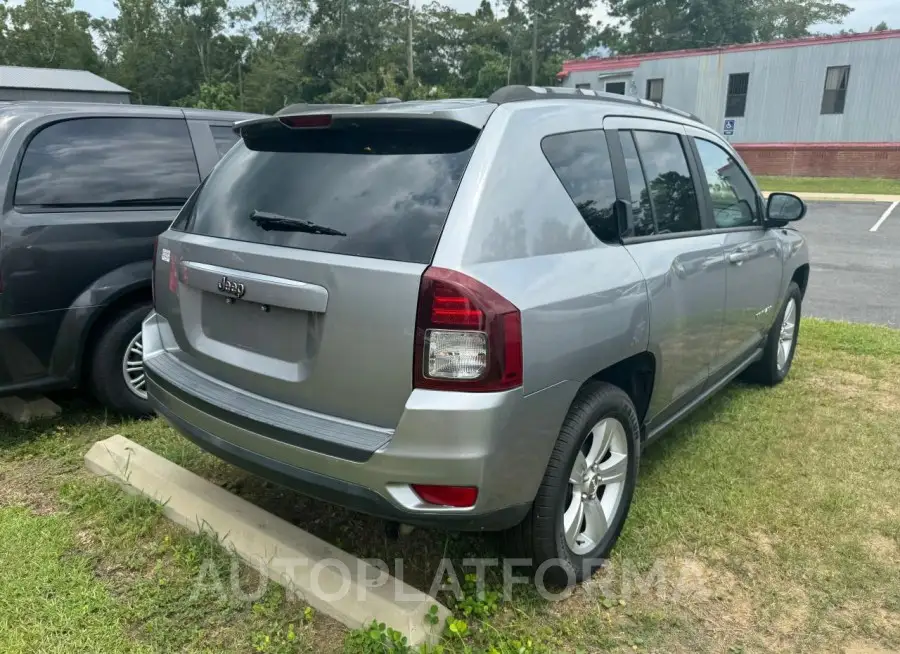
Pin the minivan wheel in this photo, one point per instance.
(781, 343)
(116, 368)
(586, 492)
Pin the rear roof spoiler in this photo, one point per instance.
(473, 113)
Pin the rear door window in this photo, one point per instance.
(373, 190)
(91, 162)
(672, 193)
(581, 161)
(641, 210)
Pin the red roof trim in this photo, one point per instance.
(630, 62)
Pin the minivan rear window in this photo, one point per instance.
(381, 191)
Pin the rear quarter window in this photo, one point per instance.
(387, 193)
(581, 161)
(224, 137)
(108, 162)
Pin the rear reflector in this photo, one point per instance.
(468, 337)
(456, 496)
(298, 122)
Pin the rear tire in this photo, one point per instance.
(777, 357)
(562, 558)
(107, 367)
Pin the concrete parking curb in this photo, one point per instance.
(839, 197)
(330, 580)
(24, 410)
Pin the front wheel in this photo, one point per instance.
(117, 368)
(781, 343)
(587, 488)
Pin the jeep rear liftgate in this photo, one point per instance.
(295, 270)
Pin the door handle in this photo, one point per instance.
(737, 258)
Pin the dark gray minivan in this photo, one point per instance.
(86, 189)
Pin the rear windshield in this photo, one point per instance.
(387, 190)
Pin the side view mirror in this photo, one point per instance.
(784, 208)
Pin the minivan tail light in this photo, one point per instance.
(173, 273)
(153, 271)
(468, 337)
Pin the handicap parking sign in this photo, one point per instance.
(729, 127)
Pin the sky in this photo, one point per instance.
(866, 14)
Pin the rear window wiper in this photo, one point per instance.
(278, 223)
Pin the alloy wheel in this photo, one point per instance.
(786, 337)
(596, 486)
(133, 367)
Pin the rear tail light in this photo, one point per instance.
(468, 337)
(456, 496)
(173, 273)
(153, 271)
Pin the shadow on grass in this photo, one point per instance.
(415, 557)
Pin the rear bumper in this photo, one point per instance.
(337, 491)
(499, 442)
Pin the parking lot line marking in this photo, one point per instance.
(887, 212)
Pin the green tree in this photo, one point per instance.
(264, 54)
(47, 34)
(222, 95)
(135, 51)
(658, 25)
(787, 19)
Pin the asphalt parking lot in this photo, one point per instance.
(855, 272)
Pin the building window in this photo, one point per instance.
(736, 100)
(582, 86)
(836, 80)
(655, 90)
(615, 87)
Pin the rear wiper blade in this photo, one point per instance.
(277, 222)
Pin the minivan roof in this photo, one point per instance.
(43, 107)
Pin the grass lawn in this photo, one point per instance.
(769, 521)
(830, 185)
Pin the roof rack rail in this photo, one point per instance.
(519, 93)
(388, 100)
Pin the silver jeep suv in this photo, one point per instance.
(470, 314)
